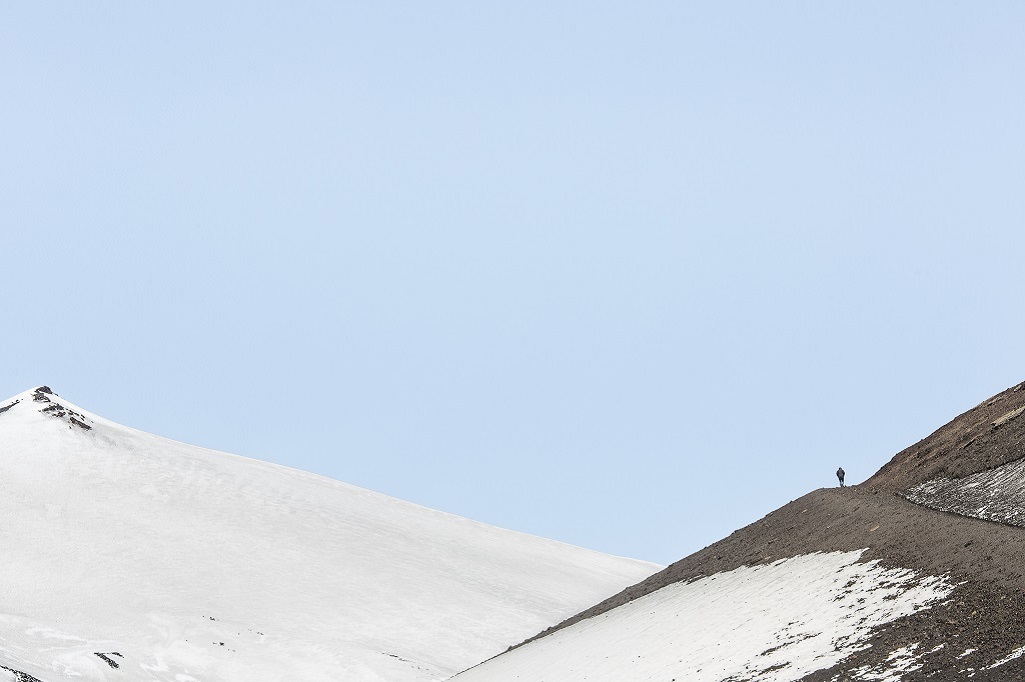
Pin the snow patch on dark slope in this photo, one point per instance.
(985, 437)
(127, 556)
(975, 631)
(994, 495)
(772, 622)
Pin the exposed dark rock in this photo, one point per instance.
(59, 411)
(80, 424)
(7, 407)
(45, 389)
(20, 676)
(107, 658)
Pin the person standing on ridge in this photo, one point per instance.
(840, 474)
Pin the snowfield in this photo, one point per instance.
(770, 623)
(127, 556)
(994, 495)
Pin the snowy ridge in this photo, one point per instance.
(52, 408)
(771, 623)
(127, 556)
(994, 495)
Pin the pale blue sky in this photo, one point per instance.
(627, 275)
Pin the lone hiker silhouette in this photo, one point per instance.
(840, 474)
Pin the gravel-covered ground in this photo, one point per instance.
(984, 616)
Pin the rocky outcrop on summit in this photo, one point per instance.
(57, 410)
(51, 408)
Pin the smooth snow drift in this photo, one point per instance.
(127, 556)
(771, 623)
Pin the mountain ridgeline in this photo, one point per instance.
(928, 514)
(127, 556)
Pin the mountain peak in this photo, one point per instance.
(196, 564)
(45, 401)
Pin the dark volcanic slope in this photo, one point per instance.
(986, 560)
(982, 438)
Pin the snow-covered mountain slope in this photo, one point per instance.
(127, 556)
(773, 623)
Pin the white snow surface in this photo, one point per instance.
(772, 623)
(192, 564)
